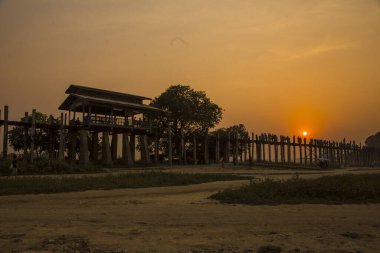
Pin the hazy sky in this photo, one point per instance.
(277, 66)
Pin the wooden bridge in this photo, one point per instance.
(90, 112)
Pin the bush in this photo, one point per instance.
(54, 184)
(363, 188)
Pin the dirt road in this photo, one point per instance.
(180, 219)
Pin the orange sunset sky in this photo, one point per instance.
(283, 66)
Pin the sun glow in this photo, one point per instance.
(304, 133)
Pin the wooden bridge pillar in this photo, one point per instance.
(294, 149)
(182, 148)
(253, 146)
(61, 150)
(206, 157)
(127, 155)
(51, 139)
(73, 146)
(305, 149)
(156, 148)
(288, 149)
(26, 135)
(194, 149)
(83, 147)
(217, 147)
(5, 136)
(258, 149)
(114, 145)
(133, 147)
(311, 151)
(263, 147)
(338, 155)
(249, 150)
(236, 148)
(300, 148)
(170, 150)
(106, 149)
(282, 149)
(94, 148)
(227, 148)
(32, 135)
(315, 152)
(145, 150)
(275, 150)
(245, 148)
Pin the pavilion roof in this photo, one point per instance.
(100, 99)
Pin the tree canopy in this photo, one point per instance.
(373, 142)
(188, 109)
(16, 135)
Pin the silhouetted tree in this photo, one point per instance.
(188, 110)
(373, 142)
(41, 137)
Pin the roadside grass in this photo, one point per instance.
(340, 189)
(56, 184)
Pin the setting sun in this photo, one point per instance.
(304, 133)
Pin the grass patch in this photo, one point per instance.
(339, 189)
(56, 184)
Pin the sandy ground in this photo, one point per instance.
(183, 219)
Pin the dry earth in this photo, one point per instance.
(183, 219)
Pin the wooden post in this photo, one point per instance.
(206, 148)
(337, 148)
(170, 161)
(315, 152)
(289, 149)
(282, 149)
(61, 151)
(133, 147)
(275, 149)
(269, 148)
(5, 136)
(305, 150)
(245, 148)
(253, 146)
(106, 149)
(156, 148)
(258, 149)
(51, 139)
(183, 151)
(227, 148)
(26, 135)
(145, 150)
(236, 148)
(294, 149)
(217, 145)
(311, 151)
(300, 148)
(114, 145)
(94, 148)
(249, 150)
(263, 147)
(73, 146)
(127, 156)
(194, 149)
(32, 135)
(83, 154)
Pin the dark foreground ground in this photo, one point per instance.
(183, 219)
